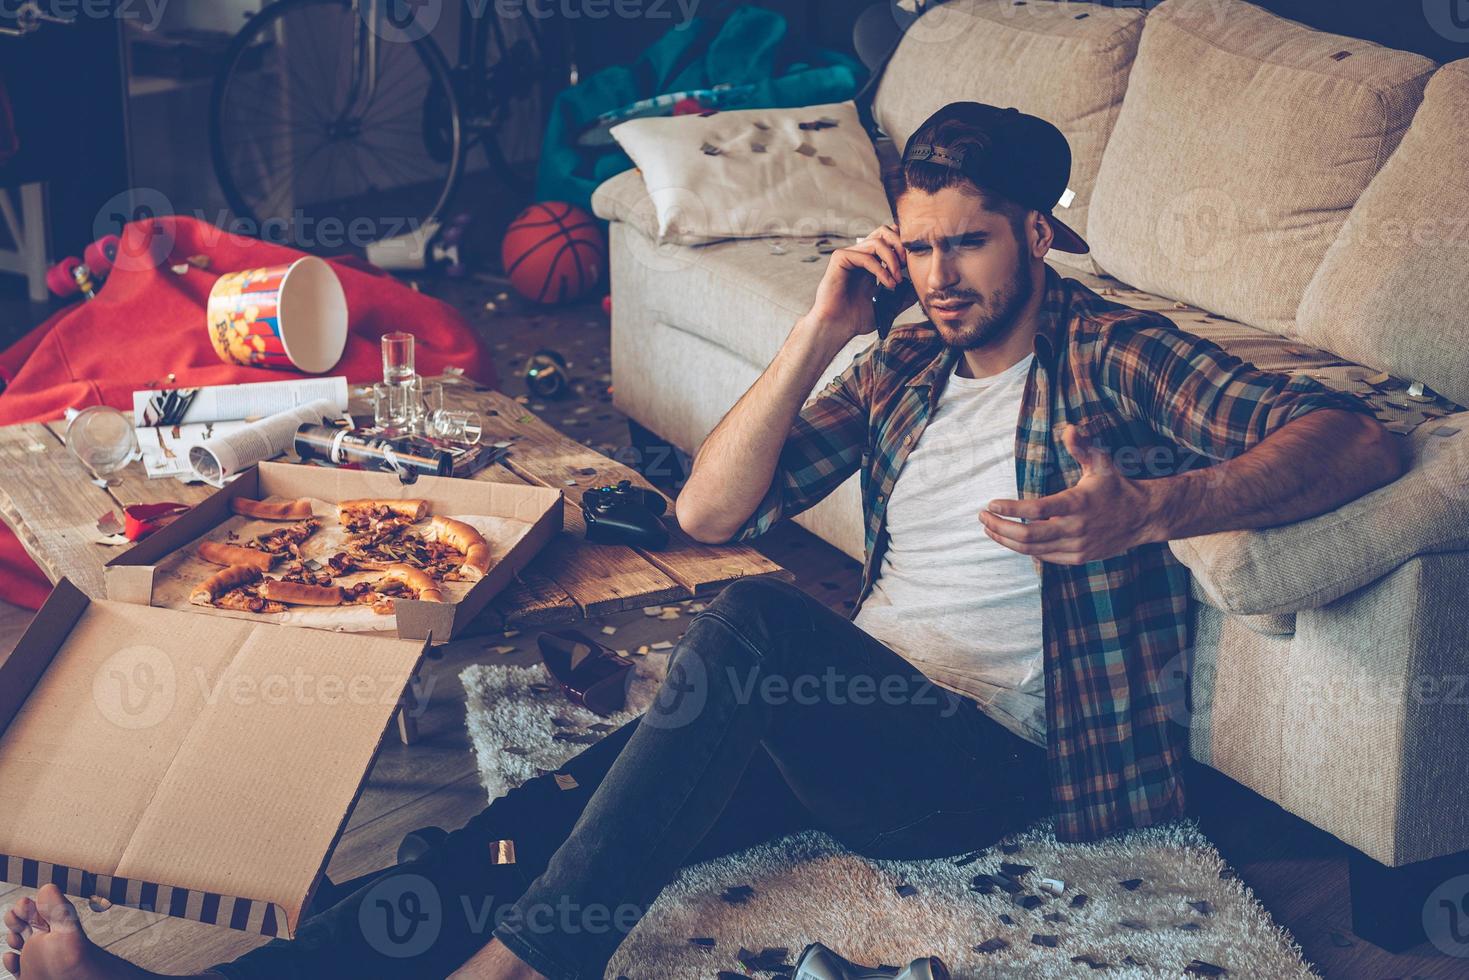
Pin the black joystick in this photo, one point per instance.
(625, 514)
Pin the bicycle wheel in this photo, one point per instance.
(314, 154)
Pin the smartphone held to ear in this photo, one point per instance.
(888, 303)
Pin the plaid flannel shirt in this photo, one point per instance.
(1161, 401)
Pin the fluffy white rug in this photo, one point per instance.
(1179, 912)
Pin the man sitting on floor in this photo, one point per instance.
(1014, 556)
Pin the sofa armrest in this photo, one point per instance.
(624, 197)
(1310, 563)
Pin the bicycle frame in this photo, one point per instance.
(473, 64)
(474, 49)
(364, 54)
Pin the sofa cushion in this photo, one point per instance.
(768, 273)
(1267, 351)
(1393, 291)
(680, 383)
(1042, 58)
(1391, 397)
(1243, 142)
(753, 173)
(1310, 563)
(742, 294)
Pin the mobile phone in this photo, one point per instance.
(888, 303)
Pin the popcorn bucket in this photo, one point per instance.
(283, 316)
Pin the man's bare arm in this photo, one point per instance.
(1310, 465)
(734, 467)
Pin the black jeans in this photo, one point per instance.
(777, 715)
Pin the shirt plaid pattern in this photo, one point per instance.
(1116, 632)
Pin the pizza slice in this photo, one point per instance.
(400, 581)
(423, 586)
(466, 540)
(359, 515)
(390, 543)
(272, 510)
(287, 540)
(232, 554)
(235, 587)
(300, 593)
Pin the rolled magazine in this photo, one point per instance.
(218, 459)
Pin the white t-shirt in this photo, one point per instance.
(963, 608)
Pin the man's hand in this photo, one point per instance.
(843, 303)
(1103, 515)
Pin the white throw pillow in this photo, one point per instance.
(756, 173)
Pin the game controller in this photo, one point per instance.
(625, 514)
(819, 963)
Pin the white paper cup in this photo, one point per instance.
(282, 316)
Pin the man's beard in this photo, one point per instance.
(997, 315)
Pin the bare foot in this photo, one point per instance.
(493, 962)
(49, 943)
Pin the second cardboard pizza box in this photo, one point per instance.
(130, 576)
(195, 766)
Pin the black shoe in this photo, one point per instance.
(819, 963)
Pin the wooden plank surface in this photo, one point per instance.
(542, 454)
(603, 579)
(534, 599)
(131, 484)
(47, 497)
(598, 578)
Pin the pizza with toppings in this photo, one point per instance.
(382, 534)
(235, 587)
(287, 540)
(388, 550)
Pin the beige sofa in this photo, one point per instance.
(1296, 197)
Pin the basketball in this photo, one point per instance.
(553, 252)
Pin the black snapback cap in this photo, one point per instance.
(1020, 156)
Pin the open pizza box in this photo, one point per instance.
(197, 766)
(518, 520)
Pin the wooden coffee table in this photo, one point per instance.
(49, 501)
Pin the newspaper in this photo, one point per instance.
(227, 403)
(216, 460)
(166, 447)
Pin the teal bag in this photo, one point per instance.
(731, 63)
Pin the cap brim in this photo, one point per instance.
(1066, 240)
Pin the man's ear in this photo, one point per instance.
(1041, 234)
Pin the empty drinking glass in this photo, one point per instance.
(103, 439)
(398, 358)
(396, 406)
(450, 424)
